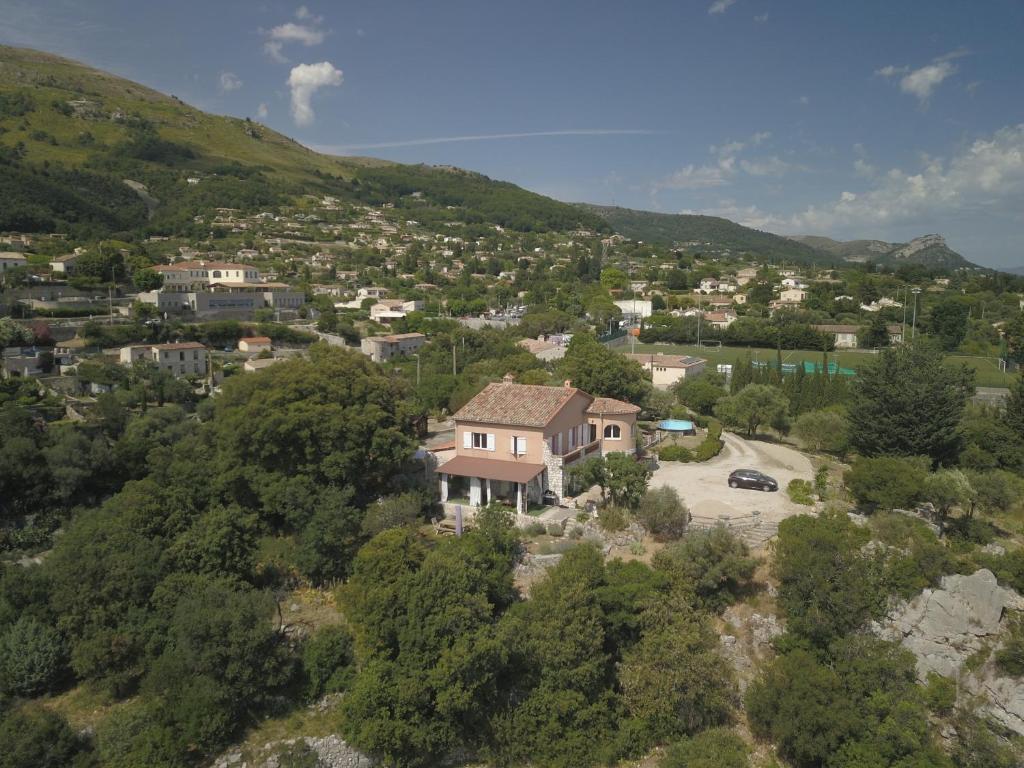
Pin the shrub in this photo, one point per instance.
(800, 492)
(612, 518)
(34, 737)
(821, 482)
(554, 530)
(327, 662)
(1010, 658)
(32, 658)
(393, 512)
(939, 693)
(888, 482)
(714, 564)
(675, 453)
(826, 430)
(663, 514)
(713, 748)
(535, 529)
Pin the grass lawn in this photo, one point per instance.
(988, 373)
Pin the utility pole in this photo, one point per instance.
(416, 355)
(913, 327)
(110, 298)
(453, 361)
(699, 315)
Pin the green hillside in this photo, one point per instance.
(671, 229)
(70, 135)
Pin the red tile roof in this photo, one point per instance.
(609, 405)
(517, 405)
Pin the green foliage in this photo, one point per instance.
(714, 565)
(909, 403)
(327, 662)
(612, 518)
(34, 737)
(914, 558)
(13, 333)
(799, 492)
(939, 693)
(700, 393)
(675, 453)
(626, 479)
(752, 406)
(393, 512)
(602, 372)
(949, 322)
(713, 748)
(32, 658)
(827, 586)
(824, 430)
(1010, 658)
(949, 488)
(887, 482)
(980, 744)
(663, 513)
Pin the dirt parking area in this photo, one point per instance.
(705, 490)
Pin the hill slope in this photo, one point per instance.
(70, 135)
(928, 250)
(670, 229)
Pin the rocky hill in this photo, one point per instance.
(928, 250)
(71, 135)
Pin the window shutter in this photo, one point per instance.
(490, 441)
(513, 448)
(467, 439)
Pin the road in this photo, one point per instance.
(704, 486)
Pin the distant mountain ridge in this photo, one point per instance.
(718, 233)
(928, 250)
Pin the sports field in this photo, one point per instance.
(988, 373)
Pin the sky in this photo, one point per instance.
(852, 120)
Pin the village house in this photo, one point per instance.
(666, 370)
(380, 349)
(186, 358)
(745, 275)
(794, 295)
(253, 345)
(11, 260)
(214, 287)
(720, 320)
(65, 265)
(844, 336)
(387, 310)
(257, 364)
(515, 442)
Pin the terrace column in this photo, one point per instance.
(444, 488)
(474, 491)
(520, 502)
(490, 496)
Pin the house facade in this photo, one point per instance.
(214, 287)
(180, 359)
(844, 336)
(380, 349)
(515, 441)
(666, 370)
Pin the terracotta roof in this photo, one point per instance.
(199, 265)
(256, 340)
(518, 405)
(180, 345)
(837, 328)
(491, 469)
(607, 405)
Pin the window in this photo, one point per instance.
(519, 446)
(612, 432)
(481, 440)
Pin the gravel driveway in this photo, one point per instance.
(705, 490)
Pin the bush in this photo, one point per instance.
(663, 514)
(714, 564)
(393, 512)
(554, 530)
(612, 518)
(826, 430)
(535, 529)
(939, 693)
(327, 662)
(713, 748)
(33, 737)
(887, 482)
(675, 453)
(1010, 658)
(800, 492)
(32, 658)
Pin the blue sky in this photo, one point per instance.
(849, 119)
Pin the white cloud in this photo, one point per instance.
(229, 81)
(720, 6)
(863, 168)
(726, 166)
(273, 49)
(765, 166)
(304, 80)
(923, 81)
(695, 177)
(761, 18)
(298, 33)
(262, 111)
(804, 100)
(985, 177)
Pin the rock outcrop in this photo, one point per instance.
(945, 627)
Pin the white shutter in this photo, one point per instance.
(513, 445)
(490, 441)
(467, 439)
(521, 446)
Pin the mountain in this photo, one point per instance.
(708, 232)
(71, 137)
(927, 250)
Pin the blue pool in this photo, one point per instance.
(677, 425)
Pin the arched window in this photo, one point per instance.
(216, 273)
(612, 432)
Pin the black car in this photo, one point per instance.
(751, 478)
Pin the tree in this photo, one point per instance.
(824, 430)
(601, 372)
(752, 406)
(876, 335)
(713, 748)
(590, 473)
(663, 514)
(393, 512)
(1014, 407)
(887, 482)
(713, 565)
(949, 322)
(626, 479)
(909, 403)
(35, 737)
(147, 279)
(13, 333)
(949, 488)
(700, 393)
(328, 662)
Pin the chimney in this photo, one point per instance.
(568, 383)
(509, 377)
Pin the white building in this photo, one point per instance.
(380, 349)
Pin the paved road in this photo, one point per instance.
(704, 486)
(990, 395)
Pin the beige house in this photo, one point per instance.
(845, 336)
(65, 265)
(515, 441)
(11, 260)
(181, 359)
(666, 370)
(380, 349)
(253, 345)
(795, 295)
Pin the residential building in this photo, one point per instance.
(387, 310)
(380, 349)
(11, 260)
(720, 320)
(179, 359)
(740, 298)
(666, 370)
(253, 345)
(634, 309)
(794, 295)
(844, 336)
(543, 349)
(213, 287)
(65, 265)
(515, 441)
(745, 275)
(258, 364)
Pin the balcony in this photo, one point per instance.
(580, 453)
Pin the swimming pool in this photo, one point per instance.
(676, 425)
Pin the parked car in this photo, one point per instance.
(751, 478)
